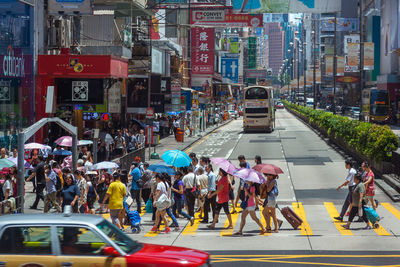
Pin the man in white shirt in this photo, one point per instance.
(189, 181)
(141, 139)
(350, 183)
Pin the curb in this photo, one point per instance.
(210, 132)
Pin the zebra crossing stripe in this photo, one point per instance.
(229, 232)
(391, 209)
(330, 207)
(305, 228)
(191, 229)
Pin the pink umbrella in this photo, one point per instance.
(250, 175)
(30, 146)
(224, 164)
(64, 141)
(268, 169)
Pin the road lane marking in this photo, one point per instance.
(391, 209)
(305, 228)
(334, 213)
(229, 232)
(191, 229)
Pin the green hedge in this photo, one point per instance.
(371, 140)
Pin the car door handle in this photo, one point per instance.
(2, 263)
(66, 264)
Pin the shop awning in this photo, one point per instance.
(127, 9)
(191, 90)
(88, 66)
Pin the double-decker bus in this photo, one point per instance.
(259, 111)
(376, 105)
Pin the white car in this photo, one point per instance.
(233, 114)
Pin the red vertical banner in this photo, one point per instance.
(202, 43)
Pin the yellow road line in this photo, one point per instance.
(391, 209)
(334, 213)
(191, 229)
(202, 140)
(106, 216)
(229, 232)
(305, 228)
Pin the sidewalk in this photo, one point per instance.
(395, 129)
(169, 143)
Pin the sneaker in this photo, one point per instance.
(154, 229)
(338, 218)
(167, 230)
(191, 221)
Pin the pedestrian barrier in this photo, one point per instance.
(126, 160)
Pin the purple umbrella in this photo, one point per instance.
(15, 160)
(250, 175)
(224, 164)
(64, 141)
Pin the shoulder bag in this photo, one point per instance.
(195, 190)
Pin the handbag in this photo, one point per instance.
(244, 204)
(195, 190)
(162, 202)
(149, 206)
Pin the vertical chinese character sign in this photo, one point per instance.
(202, 50)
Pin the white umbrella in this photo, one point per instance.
(34, 146)
(105, 165)
(85, 142)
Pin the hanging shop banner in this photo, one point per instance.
(350, 39)
(286, 6)
(225, 18)
(368, 56)
(340, 66)
(114, 98)
(230, 70)
(202, 83)
(157, 27)
(202, 50)
(342, 24)
(329, 65)
(230, 44)
(352, 57)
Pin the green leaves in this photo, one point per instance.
(371, 140)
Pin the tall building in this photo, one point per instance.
(276, 38)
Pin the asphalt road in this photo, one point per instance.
(312, 171)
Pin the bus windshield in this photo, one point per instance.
(379, 97)
(256, 93)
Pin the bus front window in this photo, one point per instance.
(256, 93)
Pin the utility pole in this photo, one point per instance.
(314, 59)
(361, 61)
(334, 67)
(304, 60)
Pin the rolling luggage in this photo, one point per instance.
(372, 216)
(291, 217)
(133, 217)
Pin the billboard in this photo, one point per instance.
(286, 6)
(230, 44)
(202, 83)
(342, 24)
(352, 57)
(225, 18)
(230, 70)
(157, 27)
(329, 65)
(339, 66)
(202, 50)
(368, 56)
(137, 93)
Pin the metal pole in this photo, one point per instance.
(361, 61)
(94, 150)
(314, 59)
(21, 172)
(334, 68)
(298, 67)
(304, 60)
(74, 151)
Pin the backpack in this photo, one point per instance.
(59, 183)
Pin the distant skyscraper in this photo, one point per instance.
(276, 38)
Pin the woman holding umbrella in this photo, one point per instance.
(223, 199)
(249, 206)
(270, 202)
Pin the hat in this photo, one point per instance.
(5, 171)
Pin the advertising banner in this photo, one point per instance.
(230, 44)
(202, 50)
(286, 6)
(114, 98)
(329, 65)
(352, 57)
(225, 18)
(256, 73)
(310, 77)
(230, 70)
(368, 56)
(202, 83)
(157, 27)
(340, 66)
(342, 24)
(137, 93)
(350, 39)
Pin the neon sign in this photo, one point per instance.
(13, 66)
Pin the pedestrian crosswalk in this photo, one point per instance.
(317, 220)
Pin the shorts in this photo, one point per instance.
(90, 202)
(220, 206)
(114, 215)
(252, 208)
(269, 203)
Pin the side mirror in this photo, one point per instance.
(110, 251)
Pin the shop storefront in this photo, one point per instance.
(16, 70)
(88, 88)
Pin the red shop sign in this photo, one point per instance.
(202, 50)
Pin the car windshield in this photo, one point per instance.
(119, 238)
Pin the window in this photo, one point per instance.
(256, 93)
(26, 240)
(79, 241)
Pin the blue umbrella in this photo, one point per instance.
(62, 153)
(176, 158)
(160, 168)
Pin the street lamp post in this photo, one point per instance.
(314, 59)
(334, 67)
(361, 61)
